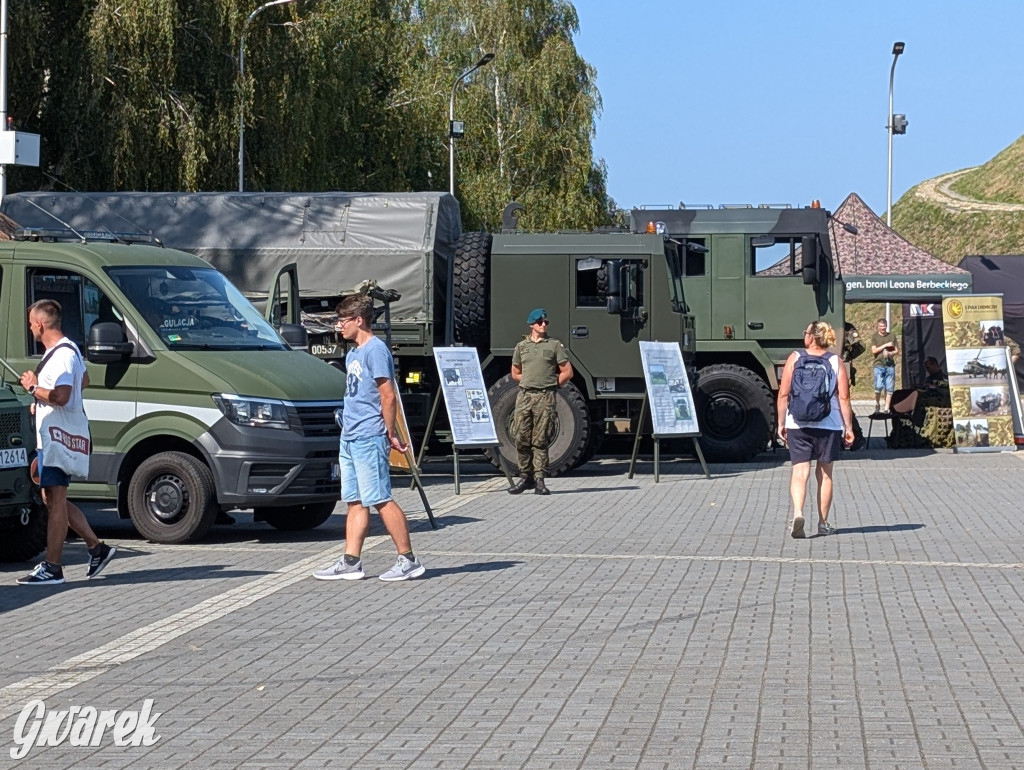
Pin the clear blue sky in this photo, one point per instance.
(783, 102)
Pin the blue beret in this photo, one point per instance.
(536, 314)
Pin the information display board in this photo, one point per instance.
(668, 389)
(465, 397)
(978, 368)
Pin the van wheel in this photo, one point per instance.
(735, 409)
(21, 542)
(572, 434)
(293, 518)
(471, 289)
(171, 498)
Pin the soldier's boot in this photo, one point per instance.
(523, 483)
(541, 489)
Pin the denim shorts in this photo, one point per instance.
(53, 477)
(885, 378)
(365, 476)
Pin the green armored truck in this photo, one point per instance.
(22, 515)
(196, 403)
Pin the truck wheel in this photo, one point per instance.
(171, 498)
(572, 436)
(293, 518)
(735, 410)
(21, 542)
(471, 289)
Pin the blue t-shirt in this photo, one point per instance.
(362, 417)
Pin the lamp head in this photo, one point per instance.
(486, 58)
(897, 49)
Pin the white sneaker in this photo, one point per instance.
(341, 571)
(404, 569)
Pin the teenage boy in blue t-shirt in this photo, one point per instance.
(367, 437)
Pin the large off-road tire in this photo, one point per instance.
(471, 289)
(294, 518)
(171, 498)
(572, 434)
(21, 542)
(735, 409)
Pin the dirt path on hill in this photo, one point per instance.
(938, 192)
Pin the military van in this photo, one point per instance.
(196, 403)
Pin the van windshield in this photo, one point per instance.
(195, 309)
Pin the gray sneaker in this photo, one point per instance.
(404, 569)
(798, 526)
(825, 528)
(341, 571)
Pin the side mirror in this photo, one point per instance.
(295, 335)
(809, 256)
(613, 267)
(108, 343)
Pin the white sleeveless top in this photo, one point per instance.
(834, 421)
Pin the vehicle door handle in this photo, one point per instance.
(579, 332)
(755, 325)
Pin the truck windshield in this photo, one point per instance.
(195, 309)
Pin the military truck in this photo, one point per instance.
(753, 277)
(22, 514)
(196, 404)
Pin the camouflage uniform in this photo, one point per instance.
(533, 424)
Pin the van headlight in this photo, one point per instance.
(253, 412)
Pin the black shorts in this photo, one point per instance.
(806, 444)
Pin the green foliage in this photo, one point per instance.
(336, 94)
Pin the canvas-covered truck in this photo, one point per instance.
(196, 404)
(753, 277)
(22, 515)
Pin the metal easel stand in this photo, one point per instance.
(645, 412)
(455, 449)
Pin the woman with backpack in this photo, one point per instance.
(815, 419)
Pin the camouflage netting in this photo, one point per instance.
(929, 426)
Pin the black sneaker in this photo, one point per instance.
(43, 575)
(99, 557)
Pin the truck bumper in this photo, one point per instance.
(264, 467)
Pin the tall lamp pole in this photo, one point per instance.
(455, 131)
(241, 76)
(897, 49)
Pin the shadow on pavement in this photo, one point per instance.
(482, 566)
(878, 528)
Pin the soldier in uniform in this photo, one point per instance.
(540, 365)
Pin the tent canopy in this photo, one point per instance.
(879, 265)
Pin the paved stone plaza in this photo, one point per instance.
(615, 623)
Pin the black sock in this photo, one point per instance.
(409, 556)
(351, 560)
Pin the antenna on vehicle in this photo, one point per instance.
(54, 216)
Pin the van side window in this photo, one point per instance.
(774, 257)
(81, 302)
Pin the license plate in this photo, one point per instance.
(335, 471)
(15, 458)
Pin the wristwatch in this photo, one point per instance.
(32, 389)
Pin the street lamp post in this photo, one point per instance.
(897, 49)
(241, 76)
(454, 132)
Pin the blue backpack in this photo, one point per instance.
(810, 391)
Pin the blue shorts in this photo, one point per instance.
(53, 477)
(365, 476)
(885, 379)
(806, 444)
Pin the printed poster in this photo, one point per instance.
(465, 397)
(668, 390)
(979, 374)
